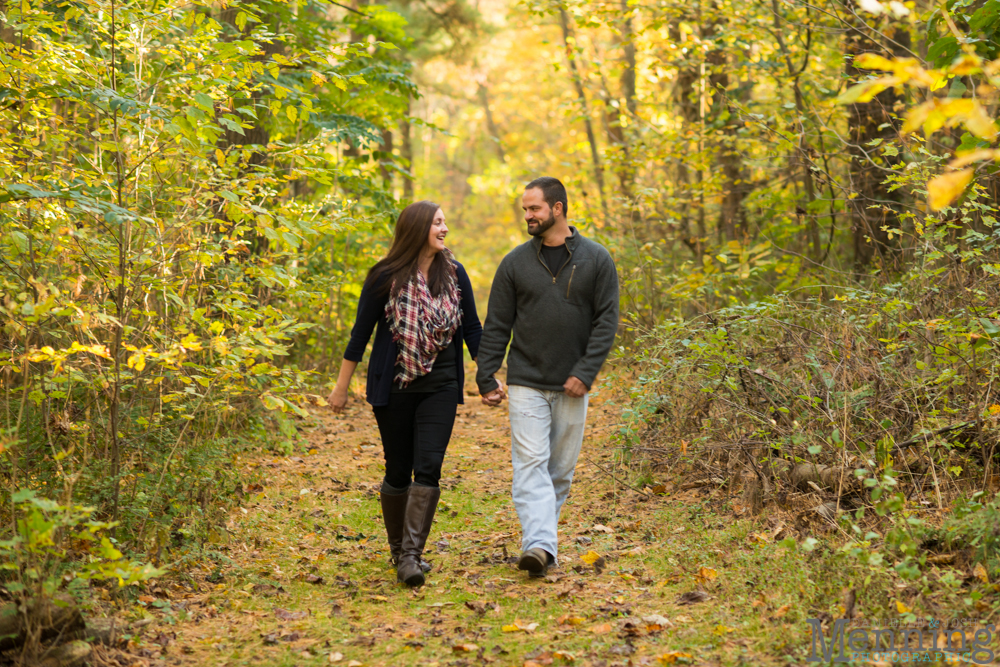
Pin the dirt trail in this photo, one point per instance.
(300, 574)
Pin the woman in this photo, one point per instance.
(422, 301)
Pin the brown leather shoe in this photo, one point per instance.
(393, 502)
(536, 561)
(420, 507)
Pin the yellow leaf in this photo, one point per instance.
(292, 113)
(965, 159)
(706, 574)
(590, 557)
(873, 61)
(981, 573)
(944, 189)
(723, 630)
(979, 123)
(670, 657)
(570, 619)
(967, 64)
(902, 608)
(137, 361)
(220, 157)
(564, 655)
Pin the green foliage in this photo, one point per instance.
(55, 544)
(189, 192)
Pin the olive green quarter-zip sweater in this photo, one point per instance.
(559, 323)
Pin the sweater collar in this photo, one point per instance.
(571, 240)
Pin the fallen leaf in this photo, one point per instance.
(706, 574)
(464, 648)
(598, 528)
(570, 619)
(781, 611)
(336, 657)
(941, 559)
(902, 608)
(981, 573)
(602, 629)
(670, 657)
(286, 615)
(722, 630)
(564, 655)
(692, 597)
(476, 606)
(657, 620)
(355, 663)
(519, 626)
(591, 557)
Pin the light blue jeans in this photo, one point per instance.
(546, 433)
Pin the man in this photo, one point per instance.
(558, 295)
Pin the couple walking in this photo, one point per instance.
(554, 300)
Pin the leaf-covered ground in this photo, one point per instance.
(300, 574)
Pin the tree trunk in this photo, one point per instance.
(406, 152)
(483, 94)
(875, 209)
(732, 217)
(685, 101)
(584, 107)
(386, 160)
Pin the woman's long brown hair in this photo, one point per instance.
(412, 230)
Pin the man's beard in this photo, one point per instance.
(543, 226)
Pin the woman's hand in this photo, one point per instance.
(495, 397)
(337, 399)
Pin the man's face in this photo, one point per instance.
(537, 213)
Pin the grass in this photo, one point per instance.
(317, 519)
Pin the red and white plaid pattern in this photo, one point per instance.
(422, 324)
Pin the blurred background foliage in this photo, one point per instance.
(192, 193)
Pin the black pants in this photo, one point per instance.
(415, 429)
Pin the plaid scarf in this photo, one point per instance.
(422, 324)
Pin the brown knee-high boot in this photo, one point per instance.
(420, 507)
(393, 501)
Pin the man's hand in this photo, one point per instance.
(495, 397)
(337, 399)
(574, 387)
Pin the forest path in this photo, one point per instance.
(301, 574)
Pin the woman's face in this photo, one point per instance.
(435, 238)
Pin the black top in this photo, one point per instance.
(441, 377)
(555, 256)
(381, 364)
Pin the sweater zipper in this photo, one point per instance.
(555, 276)
(570, 284)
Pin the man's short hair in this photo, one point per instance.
(552, 191)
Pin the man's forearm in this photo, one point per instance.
(491, 354)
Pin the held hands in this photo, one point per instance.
(495, 397)
(574, 387)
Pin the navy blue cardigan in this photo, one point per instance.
(382, 364)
